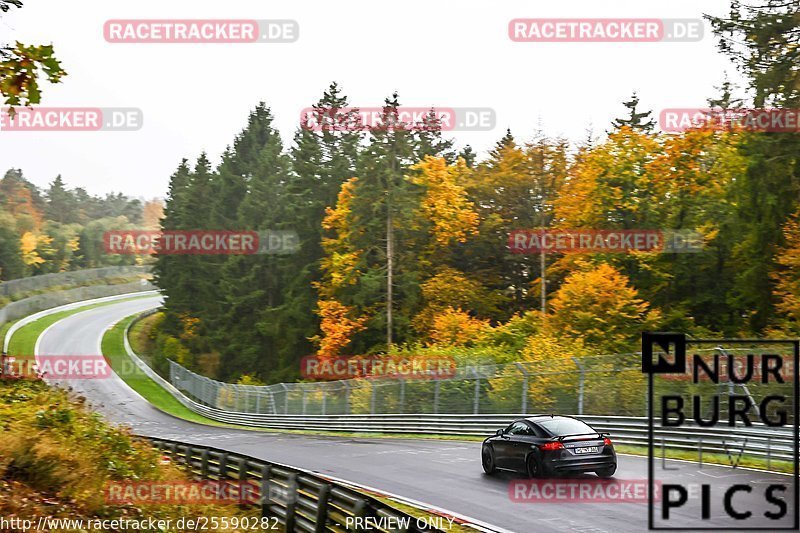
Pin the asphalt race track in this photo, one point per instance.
(445, 474)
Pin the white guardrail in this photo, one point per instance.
(758, 440)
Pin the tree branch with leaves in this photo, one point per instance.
(22, 67)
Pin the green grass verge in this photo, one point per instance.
(4, 329)
(138, 335)
(24, 339)
(113, 348)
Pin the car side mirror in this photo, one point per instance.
(499, 432)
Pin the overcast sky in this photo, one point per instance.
(196, 97)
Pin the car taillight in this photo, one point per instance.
(607, 441)
(550, 446)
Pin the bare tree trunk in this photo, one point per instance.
(389, 280)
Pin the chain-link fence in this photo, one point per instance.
(610, 384)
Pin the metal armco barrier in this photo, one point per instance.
(300, 500)
(49, 300)
(69, 279)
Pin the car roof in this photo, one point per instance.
(539, 418)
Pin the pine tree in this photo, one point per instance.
(61, 204)
(167, 270)
(430, 141)
(383, 201)
(506, 142)
(468, 155)
(11, 265)
(726, 98)
(763, 40)
(636, 120)
(252, 286)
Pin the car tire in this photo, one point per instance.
(534, 467)
(606, 472)
(487, 460)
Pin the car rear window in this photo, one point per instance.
(565, 426)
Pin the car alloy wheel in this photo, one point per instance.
(606, 472)
(487, 459)
(534, 468)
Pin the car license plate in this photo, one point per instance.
(588, 449)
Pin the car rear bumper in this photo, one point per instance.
(581, 464)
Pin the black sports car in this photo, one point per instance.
(548, 444)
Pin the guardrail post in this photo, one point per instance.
(524, 388)
(242, 469)
(402, 396)
(322, 509)
(266, 470)
(477, 393)
(436, 387)
(347, 409)
(372, 398)
(580, 384)
(304, 402)
(324, 401)
(285, 398)
(291, 502)
(258, 402)
(769, 453)
(223, 465)
(204, 462)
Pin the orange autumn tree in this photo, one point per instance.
(339, 270)
(337, 328)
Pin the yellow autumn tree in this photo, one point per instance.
(599, 306)
(445, 205)
(340, 262)
(608, 185)
(152, 213)
(787, 275)
(454, 327)
(452, 289)
(28, 247)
